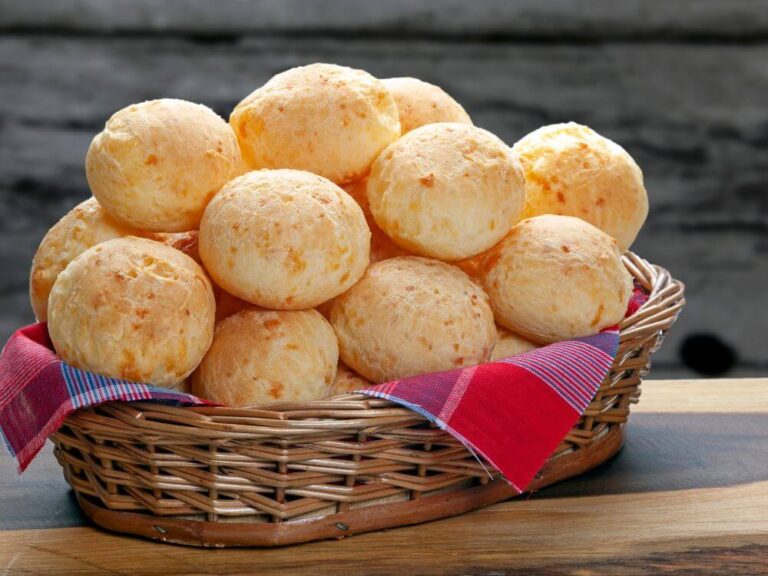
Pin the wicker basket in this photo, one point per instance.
(294, 472)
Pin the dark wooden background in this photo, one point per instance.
(682, 84)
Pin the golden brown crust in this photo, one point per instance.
(420, 103)
(86, 225)
(284, 239)
(132, 308)
(327, 119)
(572, 170)
(448, 191)
(157, 164)
(555, 278)
(262, 356)
(410, 316)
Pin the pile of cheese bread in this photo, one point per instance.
(339, 231)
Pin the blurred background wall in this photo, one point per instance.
(681, 84)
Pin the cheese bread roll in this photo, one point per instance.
(132, 308)
(448, 191)
(555, 278)
(262, 356)
(412, 315)
(574, 171)
(327, 119)
(157, 164)
(284, 239)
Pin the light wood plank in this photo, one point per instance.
(568, 532)
(493, 18)
(722, 396)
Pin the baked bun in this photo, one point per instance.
(446, 190)
(86, 225)
(556, 277)
(510, 344)
(420, 103)
(412, 315)
(347, 381)
(262, 356)
(572, 170)
(132, 308)
(157, 164)
(382, 247)
(284, 239)
(323, 118)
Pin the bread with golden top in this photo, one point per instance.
(572, 170)
(132, 308)
(448, 191)
(412, 315)
(263, 356)
(327, 119)
(157, 164)
(284, 239)
(555, 278)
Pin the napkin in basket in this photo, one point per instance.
(512, 412)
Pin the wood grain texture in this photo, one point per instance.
(701, 531)
(499, 19)
(681, 109)
(745, 395)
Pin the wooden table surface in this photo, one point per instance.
(688, 494)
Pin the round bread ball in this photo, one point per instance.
(263, 356)
(420, 103)
(323, 118)
(382, 246)
(510, 344)
(347, 381)
(555, 278)
(284, 239)
(157, 164)
(446, 190)
(412, 315)
(132, 308)
(572, 170)
(86, 225)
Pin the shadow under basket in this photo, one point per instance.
(302, 471)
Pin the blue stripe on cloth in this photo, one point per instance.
(67, 381)
(607, 341)
(411, 406)
(88, 389)
(554, 384)
(566, 384)
(586, 359)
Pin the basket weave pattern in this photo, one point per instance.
(319, 460)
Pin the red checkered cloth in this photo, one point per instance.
(512, 412)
